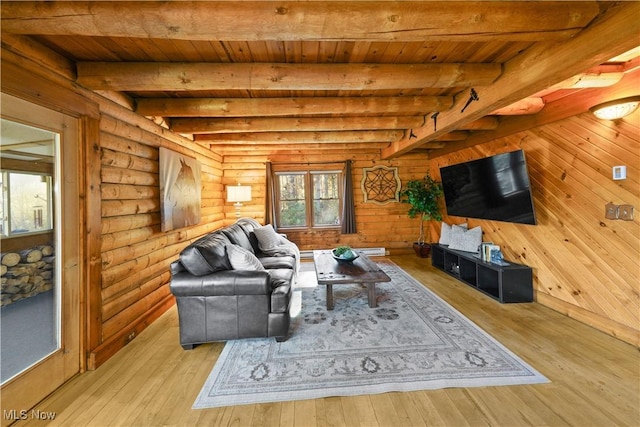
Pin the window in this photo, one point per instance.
(25, 205)
(308, 198)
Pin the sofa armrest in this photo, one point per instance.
(225, 282)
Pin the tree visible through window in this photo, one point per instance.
(308, 199)
(293, 211)
(326, 199)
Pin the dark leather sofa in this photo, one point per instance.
(217, 303)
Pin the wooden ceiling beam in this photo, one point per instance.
(281, 107)
(243, 146)
(536, 69)
(483, 123)
(577, 103)
(286, 124)
(317, 20)
(303, 137)
(170, 76)
(456, 135)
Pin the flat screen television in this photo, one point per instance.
(495, 188)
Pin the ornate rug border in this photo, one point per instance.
(204, 401)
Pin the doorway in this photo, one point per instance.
(41, 265)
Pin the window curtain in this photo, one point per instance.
(348, 207)
(269, 202)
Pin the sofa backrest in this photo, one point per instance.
(206, 255)
(237, 235)
(248, 225)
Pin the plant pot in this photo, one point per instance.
(423, 250)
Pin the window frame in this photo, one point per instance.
(308, 171)
(6, 200)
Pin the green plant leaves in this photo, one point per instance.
(424, 197)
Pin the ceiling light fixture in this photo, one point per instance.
(617, 109)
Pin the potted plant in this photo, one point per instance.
(344, 253)
(424, 197)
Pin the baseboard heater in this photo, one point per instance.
(366, 251)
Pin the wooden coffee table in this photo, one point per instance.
(331, 272)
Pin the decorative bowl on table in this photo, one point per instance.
(344, 254)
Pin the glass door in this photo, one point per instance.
(39, 265)
(30, 298)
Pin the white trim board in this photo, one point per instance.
(366, 251)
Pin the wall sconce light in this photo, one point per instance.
(237, 194)
(617, 109)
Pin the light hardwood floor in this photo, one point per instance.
(595, 379)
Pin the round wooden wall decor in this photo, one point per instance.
(381, 185)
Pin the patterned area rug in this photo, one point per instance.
(412, 341)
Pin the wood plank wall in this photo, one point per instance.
(585, 266)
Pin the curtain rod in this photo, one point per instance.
(311, 163)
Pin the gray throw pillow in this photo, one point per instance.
(445, 232)
(465, 240)
(242, 259)
(267, 237)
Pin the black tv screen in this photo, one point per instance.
(494, 188)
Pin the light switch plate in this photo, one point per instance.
(619, 172)
(625, 212)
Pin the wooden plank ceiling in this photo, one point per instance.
(405, 76)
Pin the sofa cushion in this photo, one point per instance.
(445, 232)
(466, 240)
(206, 255)
(236, 234)
(267, 237)
(242, 259)
(282, 261)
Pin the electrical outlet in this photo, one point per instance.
(625, 212)
(611, 211)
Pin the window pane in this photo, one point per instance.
(29, 198)
(4, 215)
(326, 199)
(293, 212)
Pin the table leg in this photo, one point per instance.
(329, 297)
(371, 290)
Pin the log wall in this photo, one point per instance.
(378, 225)
(135, 253)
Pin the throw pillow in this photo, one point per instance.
(267, 237)
(242, 259)
(465, 240)
(445, 232)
